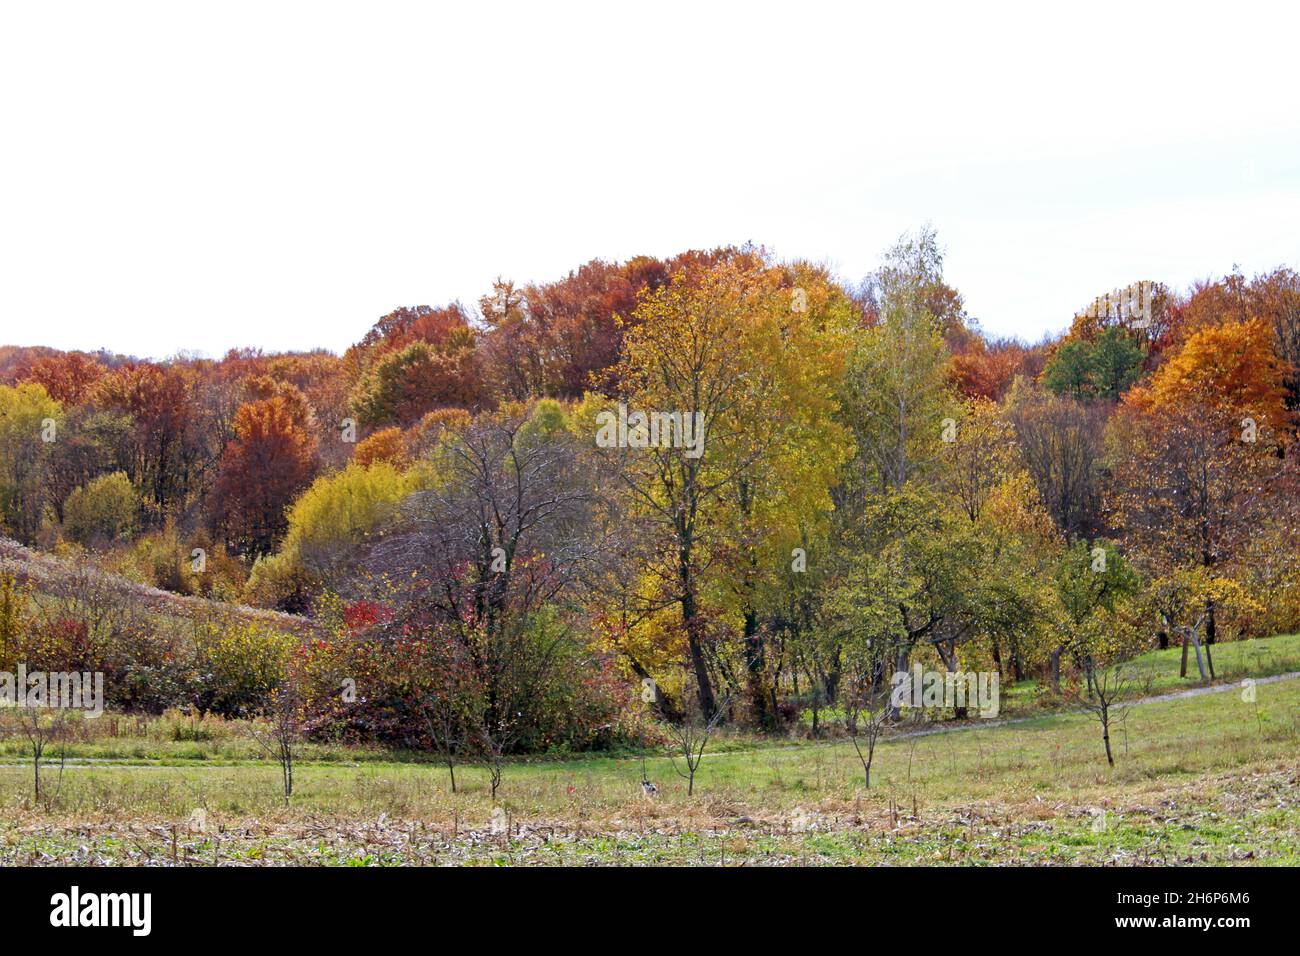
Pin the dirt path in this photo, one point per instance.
(1154, 699)
(953, 728)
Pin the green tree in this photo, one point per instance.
(1091, 582)
(1117, 363)
(1070, 372)
(1102, 368)
(105, 509)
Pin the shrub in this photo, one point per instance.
(281, 582)
(236, 665)
(13, 620)
(326, 525)
(387, 445)
(105, 509)
(584, 704)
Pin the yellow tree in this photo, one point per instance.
(29, 425)
(725, 435)
(985, 479)
(782, 491)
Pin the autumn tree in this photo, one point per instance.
(1182, 599)
(269, 462)
(91, 443)
(405, 384)
(387, 444)
(987, 369)
(169, 449)
(29, 429)
(495, 552)
(562, 338)
(1201, 456)
(580, 321)
(782, 488)
(105, 510)
(1275, 298)
(67, 377)
(1062, 442)
(739, 388)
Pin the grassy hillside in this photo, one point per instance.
(49, 575)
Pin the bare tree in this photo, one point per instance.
(1111, 687)
(866, 712)
(280, 731)
(690, 736)
(1062, 442)
(489, 564)
(41, 727)
(448, 732)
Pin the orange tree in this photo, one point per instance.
(1202, 458)
(269, 462)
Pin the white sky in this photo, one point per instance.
(282, 174)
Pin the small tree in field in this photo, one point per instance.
(1106, 643)
(448, 732)
(280, 730)
(42, 727)
(866, 712)
(690, 736)
(447, 698)
(1112, 687)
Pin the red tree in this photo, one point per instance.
(262, 470)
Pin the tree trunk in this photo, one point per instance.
(960, 712)
(754, 666)
(1211, 632)
(900, 666)
(692, 622)
(1200, 662)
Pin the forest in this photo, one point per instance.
(654, 498)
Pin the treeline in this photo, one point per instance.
(873, 483)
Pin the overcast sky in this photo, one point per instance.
(280, 175)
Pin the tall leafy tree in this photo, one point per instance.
(266, 466)
(1202, 456)
(723, 349)
(29, 427)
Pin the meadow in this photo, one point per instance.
(1205, 779)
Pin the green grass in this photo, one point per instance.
(1204, 779)
(1156, 672)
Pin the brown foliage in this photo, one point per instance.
(261, 471)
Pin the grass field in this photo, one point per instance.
(1204, 779)
(1156, 672)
